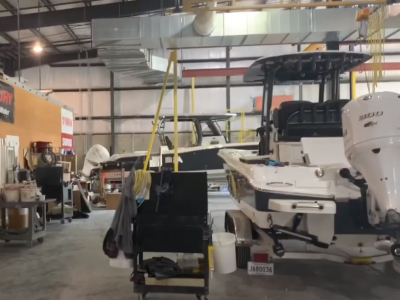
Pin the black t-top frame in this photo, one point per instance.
(297, 68)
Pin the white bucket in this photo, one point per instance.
(121, 261)
(11, 193)
(28, 193)
(224, 252)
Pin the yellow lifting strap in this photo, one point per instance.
(172, 60)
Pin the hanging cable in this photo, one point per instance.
(81, 103)
(40, 56)
(19, 43)
(89, 131)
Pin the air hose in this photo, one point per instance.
(48, 158)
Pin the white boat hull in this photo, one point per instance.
(330, 218)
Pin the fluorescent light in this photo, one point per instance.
(37, 48)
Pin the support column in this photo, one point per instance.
(112, 114)
(228, 92)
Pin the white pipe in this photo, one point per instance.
(204, 21)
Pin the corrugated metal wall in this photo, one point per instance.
(134, 134)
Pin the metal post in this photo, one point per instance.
(193, 109)
(176, 134)
(19, 43)
(337, 85)
(264, 94)
(177, 6)
(321, 96)
(334, 88)
(264, 130)
(228, 92)
(112, 114)
(270, 93)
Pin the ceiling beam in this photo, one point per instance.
(83, 14)
(13, 45)
(67, 29)
(33, 61)
(41, 37)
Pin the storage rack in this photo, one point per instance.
(175, 221)
(36, 230)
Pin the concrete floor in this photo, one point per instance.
(71, 265)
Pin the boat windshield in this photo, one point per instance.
(201, 126)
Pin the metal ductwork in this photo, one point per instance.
(203, 23)
(130, 61)
(271, 27)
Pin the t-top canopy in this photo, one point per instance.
(304, 66)
(200, 117)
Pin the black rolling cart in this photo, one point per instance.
(51, 182)
(173, 220)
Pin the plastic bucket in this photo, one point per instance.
(28, 194)
(224, 252)
(11, 193)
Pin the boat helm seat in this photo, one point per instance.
(296, 119)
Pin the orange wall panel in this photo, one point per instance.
(276, 101)
(35, 119)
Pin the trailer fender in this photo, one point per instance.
(239, 224)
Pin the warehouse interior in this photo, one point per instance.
(84, 85)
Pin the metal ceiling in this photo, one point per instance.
(61, 26)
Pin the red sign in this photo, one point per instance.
(6, 97)
(67, 141)
(7, 103)
(66, 121)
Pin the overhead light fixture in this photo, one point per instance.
(37, 48)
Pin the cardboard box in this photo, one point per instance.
(67, 177)
(17, 218)
(66, 166)
(112, 201)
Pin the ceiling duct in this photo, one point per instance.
(139, 63)
(203, 22)
(270, 27)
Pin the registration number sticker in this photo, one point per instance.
(254, 268)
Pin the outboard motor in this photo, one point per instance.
(371, 131)
(95, 155)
